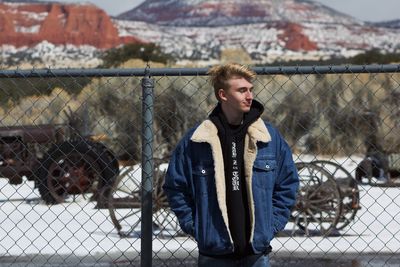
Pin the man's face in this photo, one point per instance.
(239, 96)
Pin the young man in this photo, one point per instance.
(231, 180)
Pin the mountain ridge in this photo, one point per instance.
(202, 30)
(391, 24)
(231, 12)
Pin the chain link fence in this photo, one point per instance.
(83, 153)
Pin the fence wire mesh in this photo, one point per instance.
(71, 158)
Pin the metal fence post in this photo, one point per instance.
(147, 170)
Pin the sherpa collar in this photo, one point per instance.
(207, 131)
(256, 132)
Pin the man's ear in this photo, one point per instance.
(222, 94)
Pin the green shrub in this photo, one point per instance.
(147, 52)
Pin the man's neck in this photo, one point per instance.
(233, 118)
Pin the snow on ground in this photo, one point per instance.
(29, 227)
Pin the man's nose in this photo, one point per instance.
(249, 95)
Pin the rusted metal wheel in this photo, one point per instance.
(318, 205)
(125, 205)
(163, 218)
(348, 188)
(75, 169)
(124, 202)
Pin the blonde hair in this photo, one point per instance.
(221, 74)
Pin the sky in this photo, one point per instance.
(365, 10)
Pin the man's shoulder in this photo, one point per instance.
(273, 131)
(270, 127)
(267, 123)
(189, 133)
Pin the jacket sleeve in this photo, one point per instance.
(286, 186)
(177, 187)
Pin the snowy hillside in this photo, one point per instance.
(263, 42)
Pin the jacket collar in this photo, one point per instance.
(207, 132)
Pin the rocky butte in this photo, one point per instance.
(264, 30)
(27, 24)
(286, 16)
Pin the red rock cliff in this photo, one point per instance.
(294, 38)
(29, 24)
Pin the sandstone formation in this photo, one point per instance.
(294, 38)
(25, 24)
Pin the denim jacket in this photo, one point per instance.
(195, 186)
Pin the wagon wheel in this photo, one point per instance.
(348, 189)
(125, 205)
(163, 217)
(318, 204)
(124, 202)
(74, 168)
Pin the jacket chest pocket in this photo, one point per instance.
(264, 172)
(204, 180)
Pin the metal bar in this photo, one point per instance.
(147, 170)
(283, 70)
(292, 70)
(50, 73)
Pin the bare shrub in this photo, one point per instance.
(176, 111)
(294, 116)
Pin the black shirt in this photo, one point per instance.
(232, 143)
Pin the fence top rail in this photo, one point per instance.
(268, 70)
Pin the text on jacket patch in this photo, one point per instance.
(235, 173)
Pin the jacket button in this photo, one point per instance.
(267, 167)
(203, 171)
